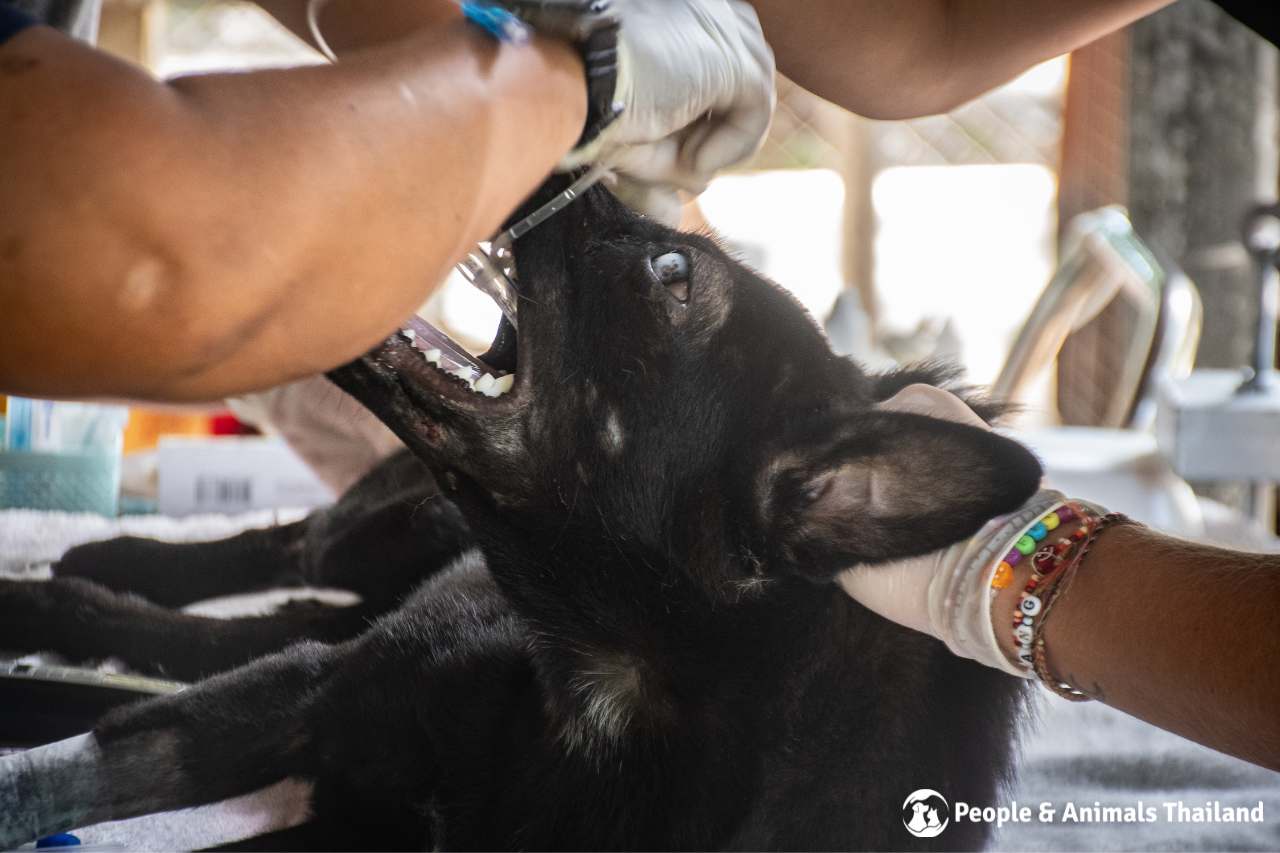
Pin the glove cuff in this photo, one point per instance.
(960, 599)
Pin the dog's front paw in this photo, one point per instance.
(100, 561)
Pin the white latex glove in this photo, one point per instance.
(945, 594)
(696, 79)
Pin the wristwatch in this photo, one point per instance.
(592, 27)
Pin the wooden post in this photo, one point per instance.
(858, 250)
(129, 29)
(1202, 152)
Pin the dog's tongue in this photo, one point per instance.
(440, 350)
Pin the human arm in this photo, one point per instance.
(1178, 634)
(892, 60)
(215, 234)
(1181, 635)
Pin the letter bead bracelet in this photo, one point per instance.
(1046, 563)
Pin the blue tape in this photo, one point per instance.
(498, 22)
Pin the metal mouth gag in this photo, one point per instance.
(491, 270)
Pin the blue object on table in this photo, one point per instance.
(61, 456)
(62, 839)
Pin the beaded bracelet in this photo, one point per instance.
(963, 602)
(1026, 544)
(1046, 564)
(1040, 661)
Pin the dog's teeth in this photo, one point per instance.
(484, 384)
(409, 333)
(433, 356)
(502, 385)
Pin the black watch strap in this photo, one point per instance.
(591, 26)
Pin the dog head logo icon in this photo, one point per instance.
(925, 813)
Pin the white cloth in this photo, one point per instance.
(335, 435)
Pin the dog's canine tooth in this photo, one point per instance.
(434, 356)
(484, 383)
(409, 333)
(503, 384)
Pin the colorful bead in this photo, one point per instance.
(1030, 605)
(1038, 532)
(1003, 576)
(1013, 557)
(1051, 521)
(1025, 545)
(1065, 513)
(1044, 559)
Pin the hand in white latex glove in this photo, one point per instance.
(945, 594)
(696, 81)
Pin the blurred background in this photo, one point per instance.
(1072, 238)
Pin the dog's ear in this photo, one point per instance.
(890, 485)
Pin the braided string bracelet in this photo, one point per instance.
(1040, 658)
(1046, 563)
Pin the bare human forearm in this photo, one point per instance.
(1183, 636)
(224, 233)
(354, 24)
(887, 59)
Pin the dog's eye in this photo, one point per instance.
(672, 271)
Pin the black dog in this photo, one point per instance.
(633, 641)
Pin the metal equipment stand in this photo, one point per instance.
(1213, 425)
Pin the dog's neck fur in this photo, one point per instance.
(613, 624)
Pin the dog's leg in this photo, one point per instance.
(84, 621)
(385, 535)
(352, 717)
(179, 573)
(227, 736)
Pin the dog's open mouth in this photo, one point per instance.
(427, 358)
(439, 376)
(478, 375)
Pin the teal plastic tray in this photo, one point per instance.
(69, 482)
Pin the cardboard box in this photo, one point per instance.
(233, 474)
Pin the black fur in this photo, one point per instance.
(645, 648)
